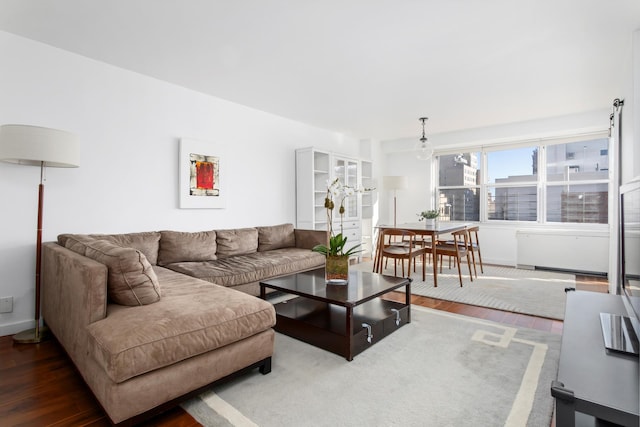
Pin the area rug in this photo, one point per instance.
(536, 292)
(441, 369)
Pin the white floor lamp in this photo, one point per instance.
(44, 147)
(395, 183)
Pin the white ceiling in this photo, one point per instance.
(365, 68)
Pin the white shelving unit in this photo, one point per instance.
(314, 170)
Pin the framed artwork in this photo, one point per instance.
(201, 166)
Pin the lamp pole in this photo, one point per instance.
(37, 146)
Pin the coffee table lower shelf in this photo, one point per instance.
(324, 325)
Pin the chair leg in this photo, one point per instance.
(480, 259)
(469, 265)
(459, 270)
(473, 257)
(478, 250)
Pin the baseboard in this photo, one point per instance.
(14, 328)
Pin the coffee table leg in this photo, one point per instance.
(262, 291)
(349, 334)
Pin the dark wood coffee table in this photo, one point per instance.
(343, 319)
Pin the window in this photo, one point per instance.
(556, 181)
(512, 184)
(578, 191)
(459, 189)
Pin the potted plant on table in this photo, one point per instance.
(337, 257)
(429, 216)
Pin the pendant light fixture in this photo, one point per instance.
(423, 147)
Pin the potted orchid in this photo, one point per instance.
(337, 256)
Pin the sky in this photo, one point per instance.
(504, 163)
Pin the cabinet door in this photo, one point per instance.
(346, 170)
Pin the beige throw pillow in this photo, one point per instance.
(131, 279)
(179, 246)
(147, 242)
(239, 241)
(276, 237)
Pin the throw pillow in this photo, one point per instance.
(131, 279)
(276, 237)
(147, 242)
(178, 246)
(239, 241)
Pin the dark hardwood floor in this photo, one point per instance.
(39, 386)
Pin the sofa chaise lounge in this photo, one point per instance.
(150, 318)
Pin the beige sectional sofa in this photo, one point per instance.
(149, 318)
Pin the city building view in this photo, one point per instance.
(573, 184)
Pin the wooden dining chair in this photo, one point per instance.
(407, 250)
(420, 240)
(473, 246)
(457, 249)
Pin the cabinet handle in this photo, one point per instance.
(397, 312)
(369, 333)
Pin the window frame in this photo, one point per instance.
(541, 183)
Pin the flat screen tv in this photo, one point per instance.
(621, 332)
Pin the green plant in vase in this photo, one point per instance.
(428, 216)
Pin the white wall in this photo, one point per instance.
(417, 198)
(129, 126)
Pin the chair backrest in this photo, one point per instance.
(473, 231)
(461, 240)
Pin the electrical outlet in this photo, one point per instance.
(6, 305)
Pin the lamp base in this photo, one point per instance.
(30, 337)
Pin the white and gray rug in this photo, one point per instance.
(442, 369)
(537, 292)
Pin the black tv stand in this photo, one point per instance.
(595, 386)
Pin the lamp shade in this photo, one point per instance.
(395, 182)
(36, 146)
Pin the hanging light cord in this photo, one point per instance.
(424, 138)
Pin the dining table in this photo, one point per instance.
(431, 230)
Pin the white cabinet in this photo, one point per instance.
(315, 170)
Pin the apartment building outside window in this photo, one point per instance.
(558, 181)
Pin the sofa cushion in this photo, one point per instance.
(192, 318)
(249, 268)
(146, 242)
(239, 241)
(131, 279)
(276, 237)
(176, 246)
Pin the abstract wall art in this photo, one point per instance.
(201, 179)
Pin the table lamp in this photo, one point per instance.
(44, 147)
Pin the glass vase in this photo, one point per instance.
(337, 269)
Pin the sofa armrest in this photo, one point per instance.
(74, 293)
(307, 239)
